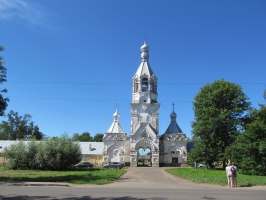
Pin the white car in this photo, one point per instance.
(201, 165)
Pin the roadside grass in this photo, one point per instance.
(95, 175)
(216, 176)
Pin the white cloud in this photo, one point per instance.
(20, 9)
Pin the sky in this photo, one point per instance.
(69, 62)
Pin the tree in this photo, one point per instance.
(98, 137)
(249, 150)
(219, 111)
(3, 100)
(19, 127)
(75, 136)
(85, 137)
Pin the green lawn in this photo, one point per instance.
(95, 175)
(216, 176)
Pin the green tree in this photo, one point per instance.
(85, 137)
(3, 100)
(75, 136)
(249, 150)
(98, 137)
(58, 153)
(219, 111)
(53, 154)
(19, 127)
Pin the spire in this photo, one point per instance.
(116, 114)
(144, 67)
(116, 127)
(173, 114)
(173, 127)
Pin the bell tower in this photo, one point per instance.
(144, 111)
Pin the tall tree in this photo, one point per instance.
(3, 100)
(19, 127)
(219, 110)
(249, 150)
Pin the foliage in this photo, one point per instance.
(58, 153)
(219, 112)
(3, 100)
(19, 127)
(96, 175)
(86, 137)
(98, 137)
(215, 176)
(249, 150)
(53, 154)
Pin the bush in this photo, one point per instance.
(53, 154)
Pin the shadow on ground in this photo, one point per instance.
(69, 197)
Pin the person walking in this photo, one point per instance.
(234, 174)
(229, 174)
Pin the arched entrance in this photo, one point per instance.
(144, 150)
(144, 157)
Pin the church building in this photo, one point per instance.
(169, 149)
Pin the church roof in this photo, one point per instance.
(144, 68)
(115, 127)
(173, 127)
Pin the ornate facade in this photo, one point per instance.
(169, 149)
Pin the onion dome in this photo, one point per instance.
(145, 52)
(116, 115)
(173, 116)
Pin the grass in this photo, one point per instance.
(216, 176)
(95, 175)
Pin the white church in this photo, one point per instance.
(169, 149)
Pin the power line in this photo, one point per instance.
(108, 100)
(108, 83)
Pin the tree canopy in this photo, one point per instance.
(19, 127)
(98, 137)
(249, 150)
(219, 117)
(86, 137)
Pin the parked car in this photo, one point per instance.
(117, 165)
(201, 165)
(83, 165)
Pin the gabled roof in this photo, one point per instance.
(91, 148)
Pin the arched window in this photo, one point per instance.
(144, 85)
(148, 118)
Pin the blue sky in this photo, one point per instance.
(70, 61)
